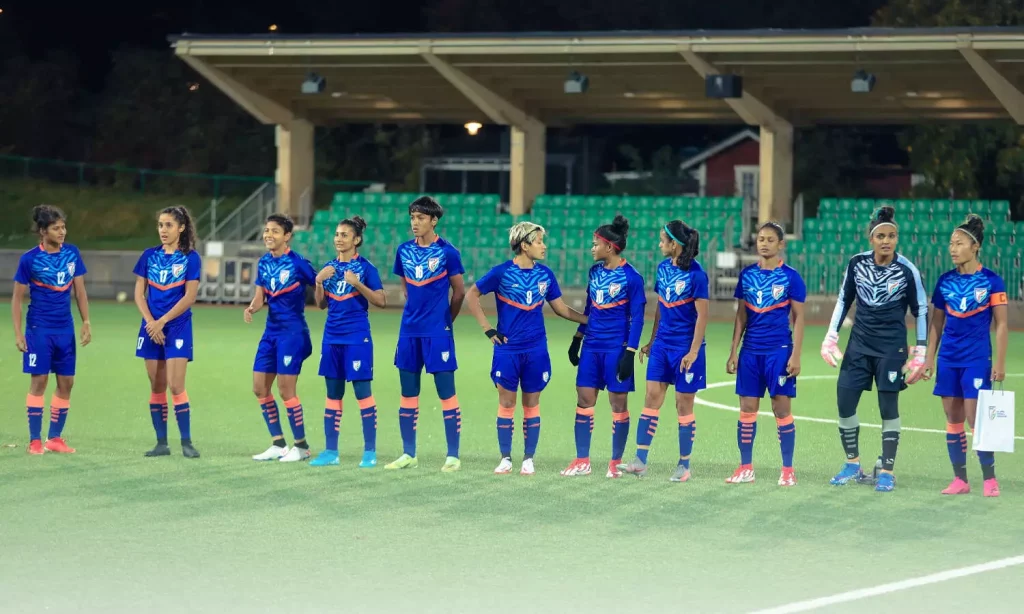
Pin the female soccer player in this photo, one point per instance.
(767, 294)
(49, 271)
(676, 347)
(281, 279)
(165, 288)
(615, 310)
(429, 267)
(345, 288)
(885, 285)
(972, 297)
(521, 361)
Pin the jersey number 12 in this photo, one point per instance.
(61, 277)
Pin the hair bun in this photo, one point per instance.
(885, 214)
(620, 225)
(359, 222)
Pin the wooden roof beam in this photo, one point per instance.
(751, 110)
(265, 110)
(1002, 88)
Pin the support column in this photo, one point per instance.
(295, 170)
(527, 162)
(775, 194)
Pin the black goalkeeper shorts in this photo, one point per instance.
(857, 371)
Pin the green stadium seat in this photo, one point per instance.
(847, 225)
(847, 205)
(559, 201)
(960, 208)
(592, 203)
(489, 200)
(1000, 209)
(372, 198)
(321, 217)
(922, 209)
(864, 207)
(542, 202)
(795, 247)
(576, 202)
(734, 204)
(828, 205)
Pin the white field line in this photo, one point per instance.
(902, 585)
(705, 403)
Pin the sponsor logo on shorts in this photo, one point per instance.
(689, 378)
(978, 382)
(445, 355)
(178, 343)
(782, 380)
(356, 364)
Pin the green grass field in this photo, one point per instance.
(108, 530)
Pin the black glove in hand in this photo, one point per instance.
(492, 334)
(574, 351)
(626, 365)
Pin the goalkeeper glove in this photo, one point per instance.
(830, 351)
(915, 365)
(625, 370)
(574, 351)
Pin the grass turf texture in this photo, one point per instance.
(108, 529)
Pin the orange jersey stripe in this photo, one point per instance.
(674, 304)
(282, 290)
(518, 305)
(168, 286)
(766, 309)
(610, 305)
(57, 288)
(413, 282)
(343, 297)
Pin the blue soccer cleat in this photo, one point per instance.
(369, 459)
(886, 482)
(850, 471)
(327, 457)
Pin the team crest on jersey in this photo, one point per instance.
(71, 269)
(287, 360)
(782, 380)
(542, 288)
(892, 376)
(176, 269)
(978, 382)
(285, 274)
(178, 343)
(433, 263)
(777, 291)
(980, 294)
(893, 286)
(680, 286)
(444, 356)
(356, 364)
(613, 289)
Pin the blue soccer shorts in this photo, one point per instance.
(437, 354)
(177, 342)
(49, 352)
(664, 366)
(529, 371)
(352, 362)
(760, 372)
(282, 353)
(599, 369)
(963, 382)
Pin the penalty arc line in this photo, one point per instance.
(952, 574)
(724, 407)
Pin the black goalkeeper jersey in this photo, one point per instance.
(883, 295)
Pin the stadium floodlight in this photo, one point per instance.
(473, 127)
(862, 83)
(314, 84)
(576, 83)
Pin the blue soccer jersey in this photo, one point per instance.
(49, 278)
(615, 307)
(284, 280)
(678, 290)
(767, 296)
(967, 301)
(166, 275)
(519, 295)
(347, 319)
(426, 271)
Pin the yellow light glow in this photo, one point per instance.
(473, 127)
(273, 27)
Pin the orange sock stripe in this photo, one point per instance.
(267, 400)
(955, 428)
(367, 403)
(684, 420)
(506, 412)
(748, 418)
(334, 404)
(409, 403)
(59, 403)
(621, 417)
(34, 401)
(531, 412)
(585, 411)
(650, 412)
(292, 403)
(180, 399)
(784, 421)
(449, 404)
(158, 398)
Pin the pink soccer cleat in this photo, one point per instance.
(991, 488)
(957, 487)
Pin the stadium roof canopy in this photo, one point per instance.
(790, 78)
(802, 76)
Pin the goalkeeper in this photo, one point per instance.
(885, 285)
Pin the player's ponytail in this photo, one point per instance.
(881, 216)
(44, 216)
(688, 238)
(358, 225)
(615, 233)
(974, 227)
(187, 240)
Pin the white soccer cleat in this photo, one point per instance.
(527, 468)
(271, 454)
(830, 351)
(296, 454)
(505, 466)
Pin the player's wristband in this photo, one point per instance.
(490, 332)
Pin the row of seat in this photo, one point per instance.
(863, 207)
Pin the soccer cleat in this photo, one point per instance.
(744, 474)
(451, 465)
(885, 482)
(957, 487)
(850, 471)
(788, 477)
(295, 455)
(369, 459)
(36, 447)
(325, 458)
(634, 467)
(161, 449)
(403, 462)
(527, 468)
(271, 454)
(681, 474)
(991, 488)
(613, 469)
(58, 445)
(505, 466)
(578, 467)
(188, 451)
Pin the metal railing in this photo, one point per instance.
(245, 221)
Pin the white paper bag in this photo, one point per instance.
(993, 427)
